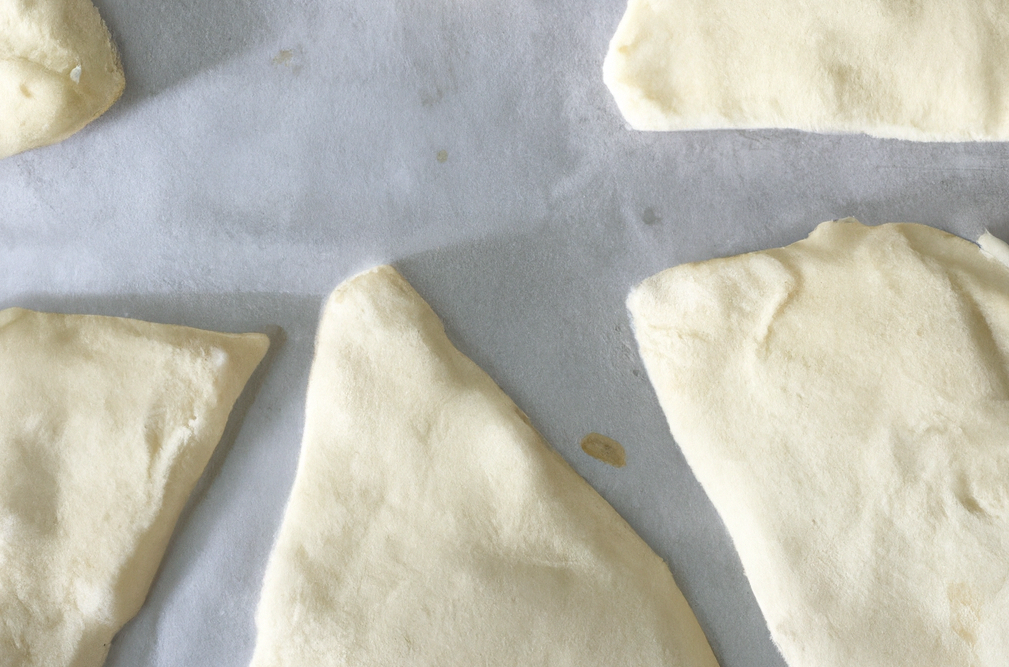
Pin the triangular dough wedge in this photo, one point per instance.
(105, 425)
(845, 403)
(430, 524)
(933, 71)
(59, 70)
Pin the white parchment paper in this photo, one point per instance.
(266, 150)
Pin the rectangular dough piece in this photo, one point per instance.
(929, 71)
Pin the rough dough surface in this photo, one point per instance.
(845, 403)
(935, 70)
(429, 524)
(59, 70)
(105, 425)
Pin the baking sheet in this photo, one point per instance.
(266, 150)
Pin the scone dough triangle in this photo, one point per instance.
(429, 524)
(105, 425)
(59, 70)
(844, 401)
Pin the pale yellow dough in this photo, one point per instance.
(59, 70)
(105, 425)
(845, 403)
(936, 70)
(430, 525)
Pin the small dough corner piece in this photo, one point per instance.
(59, 70)
(925, 71)
(105, 425)
(430, 525)
(843, 401)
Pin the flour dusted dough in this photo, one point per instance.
(58, 71)
(105, 425)
(430, 524)
(845, 403)
(933, 70)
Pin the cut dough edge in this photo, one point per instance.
(59, 71)
(429, 524)
(842, 402)
(107, 425)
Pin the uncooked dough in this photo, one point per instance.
(105, 425)
(429, 524)
(59, 70)
(844, 401)
(935, 70)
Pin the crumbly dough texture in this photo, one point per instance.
(935, 70)
(105, 425)
(59, 70)
(844, 401)
(429, 524)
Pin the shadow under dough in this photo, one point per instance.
(162, 43)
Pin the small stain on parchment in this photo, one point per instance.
(442, 156)
(605, 449)
(290, 59)
(649, 217)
